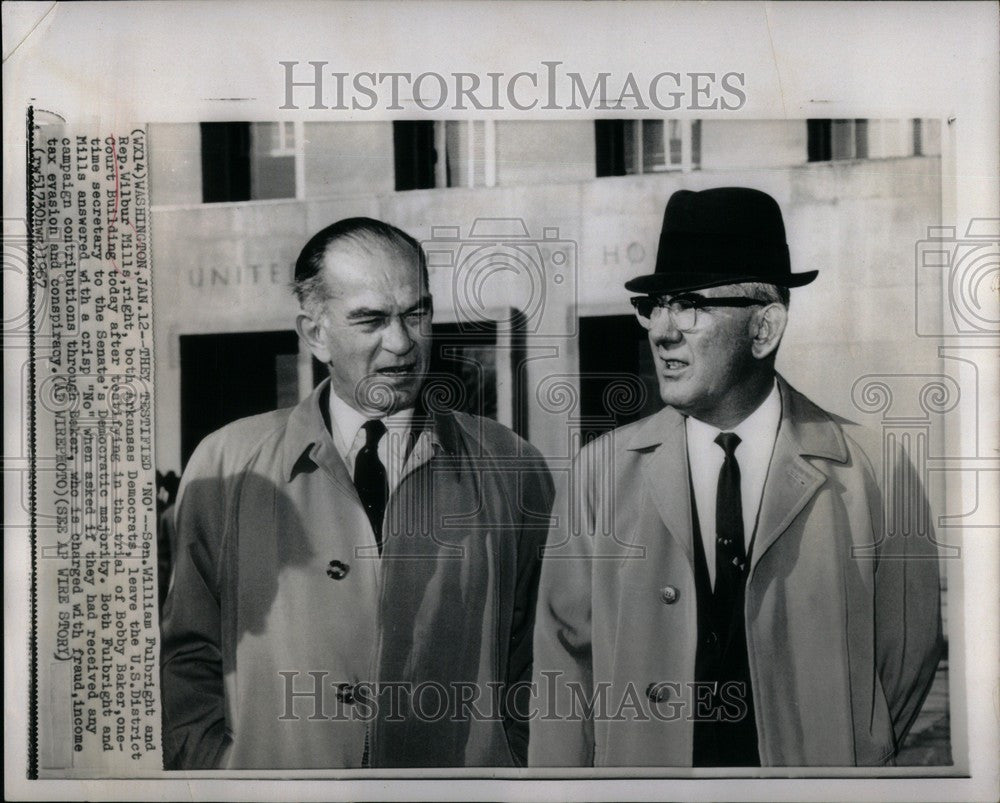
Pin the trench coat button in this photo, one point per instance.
(669, 595)
(658, 692)
(345, 693)
(712, 638)
(338, 570)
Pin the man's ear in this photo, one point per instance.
(771, 322)
(311, 331)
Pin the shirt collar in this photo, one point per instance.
(306, 429)
(345, 422)
(762, 422)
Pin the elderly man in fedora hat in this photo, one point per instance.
(719, 589)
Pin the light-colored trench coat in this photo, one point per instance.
(281, 618)
(843, 638)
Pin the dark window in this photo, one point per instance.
(631, 147)
(232, 375)
(837, 140)
(842, 140)
(653, 149)
(860, 139)
(819, 140)
(225, 162)
(415, 154)
(247, 161)
(272, 166)
(617, 376)
(918, 137)
(609, 137)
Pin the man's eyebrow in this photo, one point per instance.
(363, 313)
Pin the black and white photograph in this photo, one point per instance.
(610, 343)
(395, 416)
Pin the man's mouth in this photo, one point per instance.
(397, 370)
(671, 365)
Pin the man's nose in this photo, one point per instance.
(662, 328)
(396, 337)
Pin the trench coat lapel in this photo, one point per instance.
(306, 430)
(792, 480)
(661, 445)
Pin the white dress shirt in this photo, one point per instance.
(349, 437)
(757, 433)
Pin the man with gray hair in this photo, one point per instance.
(719, 589)
(356, 576)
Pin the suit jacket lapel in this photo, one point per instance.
(661, 444)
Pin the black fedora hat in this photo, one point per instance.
(720, 236)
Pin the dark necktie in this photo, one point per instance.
(370, 478)
(730, 554)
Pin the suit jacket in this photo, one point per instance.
(842, 620)
(283, 627)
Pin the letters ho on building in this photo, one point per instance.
(531, 229)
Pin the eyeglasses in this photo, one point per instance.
(683, 310)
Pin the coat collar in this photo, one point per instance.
(307, 438)
(810, 430)
(805, 431)
(661, 441)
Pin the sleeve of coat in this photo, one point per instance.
(563, 659)
(907, 596)
(536, 492)
(191, 657)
